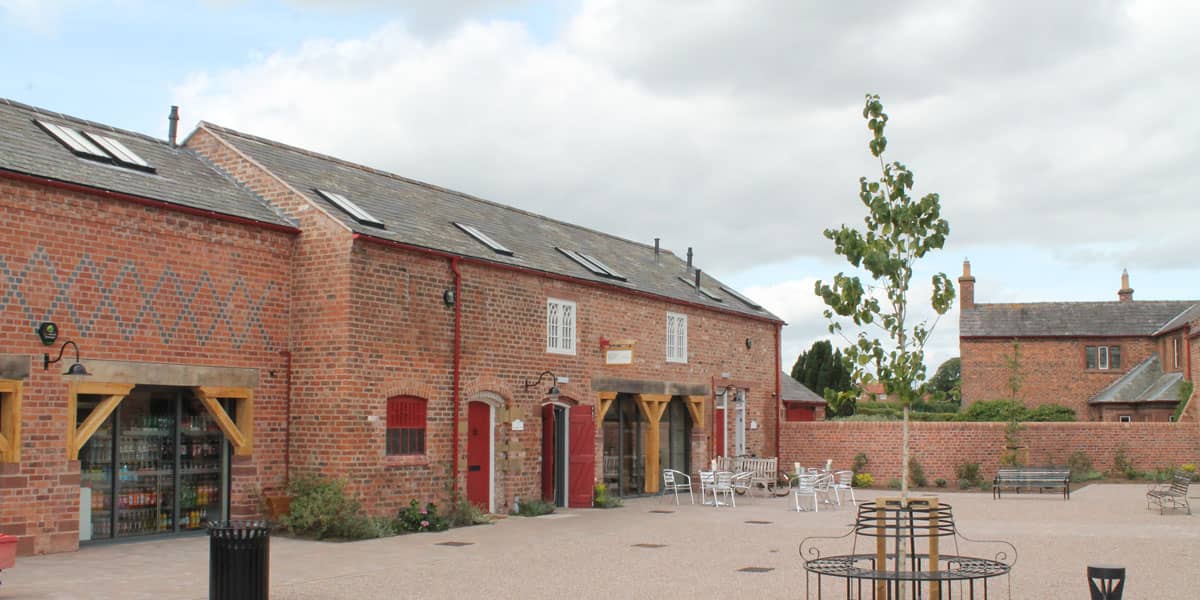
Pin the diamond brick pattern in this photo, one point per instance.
(167, 307)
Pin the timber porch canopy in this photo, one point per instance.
(652, 398)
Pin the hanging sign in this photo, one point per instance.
(619, 353)
(48, 333)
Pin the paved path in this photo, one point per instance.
(581, 554)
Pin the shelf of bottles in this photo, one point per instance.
(164, 474)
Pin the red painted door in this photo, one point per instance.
(718, 425)
(548, 453)
(479, 454)
(582, 457)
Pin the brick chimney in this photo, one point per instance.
(966, 287)
(1125, 294)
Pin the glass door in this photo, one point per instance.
(158, 464)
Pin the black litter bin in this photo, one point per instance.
(239, 560)
(1106, 582)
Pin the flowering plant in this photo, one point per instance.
(415, 517)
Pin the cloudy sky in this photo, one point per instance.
(1060, 135)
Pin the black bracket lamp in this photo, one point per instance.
(75, 369)
(553, 392)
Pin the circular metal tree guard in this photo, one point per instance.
(901, 549)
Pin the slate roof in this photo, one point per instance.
(794, 391)
(1068, 319)
(421, 214)
(1185, 317)
(1145, 382)
(181, 177)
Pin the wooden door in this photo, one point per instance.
(582, 459)
(479, 455)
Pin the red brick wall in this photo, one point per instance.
(941, 447)
(137, 283)
(1052, 370)
(369, 323)
(403, 341)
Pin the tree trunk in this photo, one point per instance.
(902, 539)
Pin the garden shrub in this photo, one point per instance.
(863, 480)
(535, 508)
(1190, 469)
(413, 518)
(464, 513)
(969, 473)
(939, 482)
(320, 509)
(1122, 466)
(893, 484)
(995, 410)
(860, 463)
(602, 499)
(963, 484)
(1080, 465)
(1051, 412)
(916, 472)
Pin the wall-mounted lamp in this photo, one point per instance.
(553, 392)
(75, 369)
(749, 343)
(448, 297)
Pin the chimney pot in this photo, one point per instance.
(173, 126)
(697, 281)
(689, 264)
(656, 251)
(966, 287)
(1125, 294)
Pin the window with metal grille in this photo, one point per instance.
(676, 337)
(560, 326)
(1102, 358)
(405, 425)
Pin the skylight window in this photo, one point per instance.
(95, 146)
(351, 209)
(591, 263)
(706, 292)
(484, 239)
(745, 300)
(74, 140)
(118, 151)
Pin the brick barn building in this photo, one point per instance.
(248, 311)
(1122, 360)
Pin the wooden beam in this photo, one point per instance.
(605, 401)
(92, 423)
(10, 421)
(241, 439)
(101, 389)
(695, 405)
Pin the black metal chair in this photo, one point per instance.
(1107, 582)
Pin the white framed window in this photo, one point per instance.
(676, 338)
(1126, 419)
(560, 326)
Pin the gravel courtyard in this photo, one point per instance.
(693, 552)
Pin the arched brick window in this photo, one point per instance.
(405, 425)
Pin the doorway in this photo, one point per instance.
(159, 464)
(625, 429)
(554, 454)
(480, 442)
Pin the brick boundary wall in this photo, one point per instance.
(941, 447)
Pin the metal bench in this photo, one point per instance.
(1173, 495)
(1039, 478)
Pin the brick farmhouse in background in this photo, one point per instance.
(1123, 360)
(247, 312)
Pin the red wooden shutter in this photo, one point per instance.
(582, 457)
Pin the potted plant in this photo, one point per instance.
(8, 551)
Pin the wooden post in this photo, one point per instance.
(10, 421)
(652, 407)
(114, 393)
(695, 405)
(241, 434)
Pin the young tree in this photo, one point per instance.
(898, 232)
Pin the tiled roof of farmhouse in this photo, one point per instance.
(179, 175)
(1055, 319)
(421, 214)
(1188, 316)
(794, 391)
(1145, 382)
